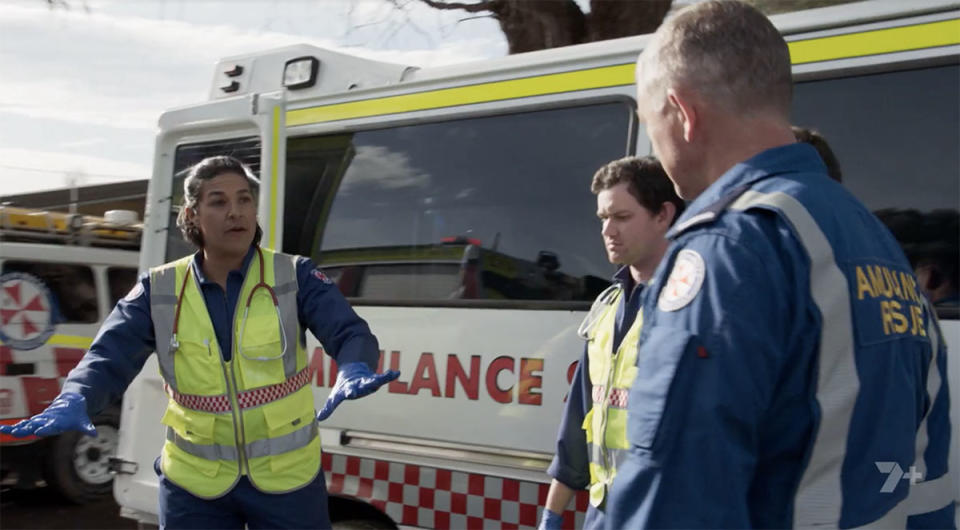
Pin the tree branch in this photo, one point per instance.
(474, 18)
(485, 5)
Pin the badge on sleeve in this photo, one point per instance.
(134, 293)
(684, 282)
(318, 274)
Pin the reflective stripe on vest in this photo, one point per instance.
(163, 303)
(285, 274)
(820, 495)
(251, 415)
(611, 375)
(256, 449)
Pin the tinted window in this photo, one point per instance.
(245, 149)
(72, 286)
(897, 138)
(485, 208)
(120, 280)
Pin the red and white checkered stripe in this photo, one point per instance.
(215, 404)
(431, 497)
(266, 394)
(618, 396)
(247, 399)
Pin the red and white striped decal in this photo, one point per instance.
(438, 498)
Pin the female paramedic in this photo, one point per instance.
(228, 325)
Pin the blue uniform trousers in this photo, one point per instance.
(244, 505)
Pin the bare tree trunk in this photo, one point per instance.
(532, 25)
(611, 19)
(538, 24)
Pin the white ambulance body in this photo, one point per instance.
(452, 207)
(60, 276)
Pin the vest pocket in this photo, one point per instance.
(260, 337)
(195, 433)
(291, 459)
(181, 459)
(661, 351)
(261, 350)
(290, 424)
(196, 427)
(197, 368)
(254, 371)
(587, 424)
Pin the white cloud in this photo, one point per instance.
(377, 163)
(85, 142)
(125, 70)
(118, 66)
(21, 174)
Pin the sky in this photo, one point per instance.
(81, 89)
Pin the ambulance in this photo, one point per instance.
(60, 276)
(452, 206)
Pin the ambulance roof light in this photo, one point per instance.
(300, 72)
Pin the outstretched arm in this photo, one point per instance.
(344, 335)
(116, 356)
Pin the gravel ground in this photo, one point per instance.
(42, 508)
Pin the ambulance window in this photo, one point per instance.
(246, 149)
(72, 287)
(897, 138)
(120, 280)
(495, 208)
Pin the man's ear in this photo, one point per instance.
(666, 213)
(686, 112)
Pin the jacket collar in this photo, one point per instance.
(789, 158)
(197, 264)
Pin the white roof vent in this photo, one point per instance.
(121, 217)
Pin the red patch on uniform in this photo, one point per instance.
(702, 352)
(318, 274)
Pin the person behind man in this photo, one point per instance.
(937, 262)
(931, 242)
(228, 325)
(789, 372)
(636, 205)
(814, 138)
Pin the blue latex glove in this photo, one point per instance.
(354, 380)
(550, 520)
(68, 412)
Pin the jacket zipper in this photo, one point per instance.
(236, 414)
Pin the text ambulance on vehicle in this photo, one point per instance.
(452, 206)
(60, 276)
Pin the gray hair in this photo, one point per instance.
(724, 50)
(204, 170)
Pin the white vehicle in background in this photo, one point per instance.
(452, 206)
(60, 276)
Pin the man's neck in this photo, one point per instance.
(216, 267)
(641, 273)
(739, 140)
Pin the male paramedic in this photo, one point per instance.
(790, 372)
(636, 205)
(228, 325)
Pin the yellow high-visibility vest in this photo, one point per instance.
(252, 415)
(611, 374)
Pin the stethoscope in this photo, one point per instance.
(175, 344)
(597, 310)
